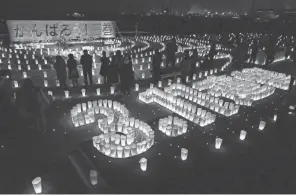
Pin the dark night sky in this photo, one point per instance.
(51, 6)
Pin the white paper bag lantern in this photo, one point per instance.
(66, 94)
(37, 185)
(242, 135)
(143, 75)
(159, 84)
(18, 67)
(143, 164)
(93, 177)
(83, 92)
(9, 67)
(136, 87)
(112, 89)
(15, 84)
(275, 117)
(262, 125)
(45, 74)
(218, 143)
(178, 80)
(39, 67)
(25, 74)
(45, 83)
(184, 153)
(29, 67)
(169, 82)
(98, 91)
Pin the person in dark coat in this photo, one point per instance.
(105, 63)
(72, 70)
(156, 63)
(87, 62)
(126, 74)
(60, 67)
(171, 50)
(254, 51)
(185, 66)
(212, 52)
(194, 60)
(113, 71)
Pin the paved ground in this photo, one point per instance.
(264, 163)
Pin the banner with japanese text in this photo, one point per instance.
(43, 31)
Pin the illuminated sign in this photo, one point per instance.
(43, 31)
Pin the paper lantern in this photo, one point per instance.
(187, 79)
(218, 143)
(275, 117)
(57, 83)
(169, 82)
(184, 153)
(242, 135)
(143, 75)
(9, 67)
(112, 89)
(39, 67)
(93, 72)
(93, 177)
(143, 164)
(262, 125)
(29, 67)
(149, 66)
(83, 92)
(45, 83)
(99, 80)
(24, 74)
(45, 74)
(18, 67)
(37, 185)
(49, 93)
(159, 84)
(15, 84)
(66, 94)
(141, 67)
(98, 91)
(136, 87)
(178, 80)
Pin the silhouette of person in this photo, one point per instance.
(86, 61)
(72, 70)
(60, 67)
(254, 52)
(156, 63)
(171, 50)
(185, 66)
(194, 60)
(212, 52)
(105, 62)
(126, 74)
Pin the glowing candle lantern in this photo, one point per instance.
(143, 75)
(93, 177)
(197, 64)
(29, 67)
(25, 74)
(178, 80)
(98, 91)
(49, 93)
(19, 67)
(149, 66)
(194, 77)
(242, 135)
(83, 92)
(169, 82)
(275, 117)
(112, 90)
(93, 72)
(9, 67)
(44, 74)
(66, 94)
(45, 83)
(57, 83)
(143, 164)
(162, 64)
(187, 79)
(136, 87)
(16, 85)
(262, 125)
(159, 84)
(143, 60)
(45, 61)
(184, 153)
(218, 143)
(37, 185)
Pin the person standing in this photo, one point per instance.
(86, 61)
(126, 74)
(72, 70)
(60, 67)
(185, 66)
(194, 60)
(254, 52)
(156, 63)
(104, 66)
(171, 50)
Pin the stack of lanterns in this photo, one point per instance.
(172, 126)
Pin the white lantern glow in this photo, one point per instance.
(83, 92)
(66, 94)
(262, 125)
(159, 84)
(37, 185)
(24, 74)
(98, 91)
(143, 164)
(274, 117)
(242, 135)
(218, 143)
(45, 74)
(143, 75)
(112, 90)
(184, 153)
(93, 177)
(15, 84)
(45, 83)
(99, 80)
(136, 87)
